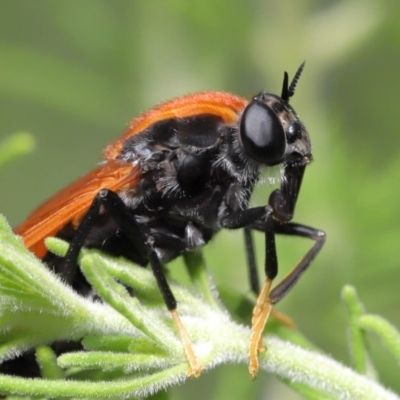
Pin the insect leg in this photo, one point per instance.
(254, 278)
(251, 261)
(293, 229)
(281, 208)
(293, 276)
(69, 266)
(123, 216)
(158, 271)
(269, 297)
(263, 306)
(245, 219)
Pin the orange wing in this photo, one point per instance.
(72, 202)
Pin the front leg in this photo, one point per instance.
(283, 202)
(263, 305)
(269, 297)
(251, 261)
(293, 229)
(274, 219)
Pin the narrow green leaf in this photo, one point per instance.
(107, 361)
(356, 336)
(118, 343)
(95, 270)
(47, 361)
(385, 330)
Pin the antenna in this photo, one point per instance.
(288, 90)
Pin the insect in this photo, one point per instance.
(183, 171)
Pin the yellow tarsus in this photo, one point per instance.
(261, 311)
(196, 367)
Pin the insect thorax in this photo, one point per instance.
(194, 172)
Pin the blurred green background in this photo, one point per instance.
(74, 73)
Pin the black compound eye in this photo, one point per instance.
(261, 134)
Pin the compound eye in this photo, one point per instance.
(261, 134)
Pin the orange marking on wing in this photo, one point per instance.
(72, 202)
(225, 105)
